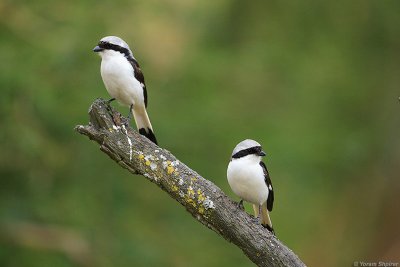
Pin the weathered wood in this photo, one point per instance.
(202, 199)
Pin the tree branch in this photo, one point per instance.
(202, 199)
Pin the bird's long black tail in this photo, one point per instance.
(149, 134)
(265, 219)
(143, 123)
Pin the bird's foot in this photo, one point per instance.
(117, 119)
(240, 204)
(116, 116)
(110, 100)
(256, 220)
(129, 117)
(126, 122)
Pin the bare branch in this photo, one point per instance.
(202, 199)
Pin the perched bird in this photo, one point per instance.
(249, 179)
(124, 81)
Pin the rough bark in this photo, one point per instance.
(206, 202)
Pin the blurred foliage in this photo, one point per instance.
(315, 82)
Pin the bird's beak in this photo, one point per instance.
(262, 153)
(97, 49)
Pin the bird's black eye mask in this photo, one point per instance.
(257, 150)
(109, 46)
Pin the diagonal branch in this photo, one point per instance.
(202, 199)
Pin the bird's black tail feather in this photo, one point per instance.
(143, 123)
(149, 134)
(265, 219)
(269, 228)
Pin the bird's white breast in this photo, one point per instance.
(118, 77)
(246, 178)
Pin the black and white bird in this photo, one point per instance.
(124, 81)
(249, 179)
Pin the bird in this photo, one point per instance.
(249, 179)
(124, 81)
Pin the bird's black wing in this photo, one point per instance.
(139, 76)
(270, 200)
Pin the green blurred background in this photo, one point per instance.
(315, 82)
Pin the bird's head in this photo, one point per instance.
(248, 147)
(111, 45)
